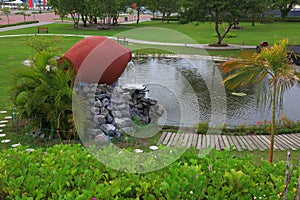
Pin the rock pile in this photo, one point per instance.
(114, 110)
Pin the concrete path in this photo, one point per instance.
(238, 142)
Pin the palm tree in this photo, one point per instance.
(272, 65)
(43, 92)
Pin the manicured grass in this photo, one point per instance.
(202, 32)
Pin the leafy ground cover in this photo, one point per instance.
(69, 172)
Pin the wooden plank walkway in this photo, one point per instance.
(238, 142)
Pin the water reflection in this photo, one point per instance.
(201, 74)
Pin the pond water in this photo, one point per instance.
(190, 91)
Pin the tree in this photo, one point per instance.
(272, 66)
(221, 12)
(256, 9)
(6, 11)
(285, 6)
(72, 7)
(24, 10)
(153, 5)
(167, 7)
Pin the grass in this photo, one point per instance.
(202, 32)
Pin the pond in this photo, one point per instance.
(190, 90)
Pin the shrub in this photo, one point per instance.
(228, 35)
(69, 172)
(17, 24)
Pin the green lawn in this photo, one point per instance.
(201, 32)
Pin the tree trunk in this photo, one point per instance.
(8, 19)
(273, 121)
(83, 18)
(253, 22)
(218, 31)
(236, 24)
(138, 17)
(168, 17)
(163, 17)
(221, 37)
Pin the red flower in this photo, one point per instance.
(258, 123)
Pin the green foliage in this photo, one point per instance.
(43, 93)
(228, 35)
(69, 172)
(44, 43)
(173, 19)
(17, 24)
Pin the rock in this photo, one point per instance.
(127, 129)
(109, 118)
(102, 138)
(95, 110)
(100, 119)
(104, 111)
(118, 133)
(138, 150)
(108, 128)
(117, 101)
(86, 89)
(105, 102)
(101, 96)
(90, 95)
(123, 122)
(96, 131)
(130, 87)
(139, 106)
(154, 148)
(116, 114)
(98, 104)
(121, 114)
(109, 108)
(91, 100)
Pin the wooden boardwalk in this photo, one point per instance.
(221, 142)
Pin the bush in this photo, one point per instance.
(69, 172)
(228, 35)
(17, 24)
(172, 19)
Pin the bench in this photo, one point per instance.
(122, 39)
(42, 29)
